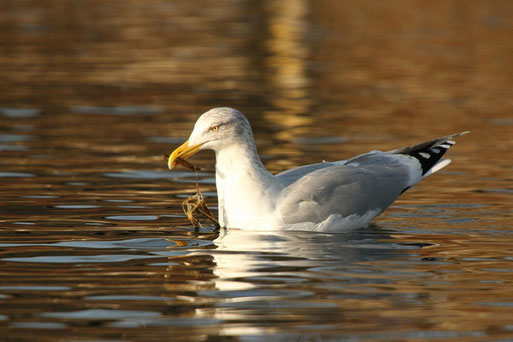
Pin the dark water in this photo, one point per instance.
(93, 242)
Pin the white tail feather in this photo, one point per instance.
(438, 166)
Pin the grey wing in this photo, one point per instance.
(368, 182)
(290, 176)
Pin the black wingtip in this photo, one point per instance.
(429, 157)
(430, 152)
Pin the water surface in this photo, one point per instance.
(93, 241)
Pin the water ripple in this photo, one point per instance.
(145, 174)
(133, 217)
(117, 110)
(79, 259)
(15, 174)
(96, 314)
(19, 112)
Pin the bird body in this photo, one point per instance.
(328, 196)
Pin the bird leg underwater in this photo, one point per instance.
(196, 204)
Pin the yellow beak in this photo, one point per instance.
(183, 152)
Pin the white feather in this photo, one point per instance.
(438, 166)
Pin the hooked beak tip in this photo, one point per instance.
(182, 152)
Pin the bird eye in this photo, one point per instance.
(214, 128)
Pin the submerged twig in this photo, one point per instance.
(195, 206)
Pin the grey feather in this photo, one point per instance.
(362, 184)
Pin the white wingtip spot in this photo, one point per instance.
(435, 150)
(425, 155)
(445, 146)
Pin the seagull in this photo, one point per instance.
(323, 197)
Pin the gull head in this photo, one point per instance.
(215, 130)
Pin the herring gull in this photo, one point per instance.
(328, 196)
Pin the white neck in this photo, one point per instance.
(244, 186)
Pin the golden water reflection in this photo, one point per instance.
(93, 243)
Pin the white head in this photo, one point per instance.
(220, 127)
(214, 130)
